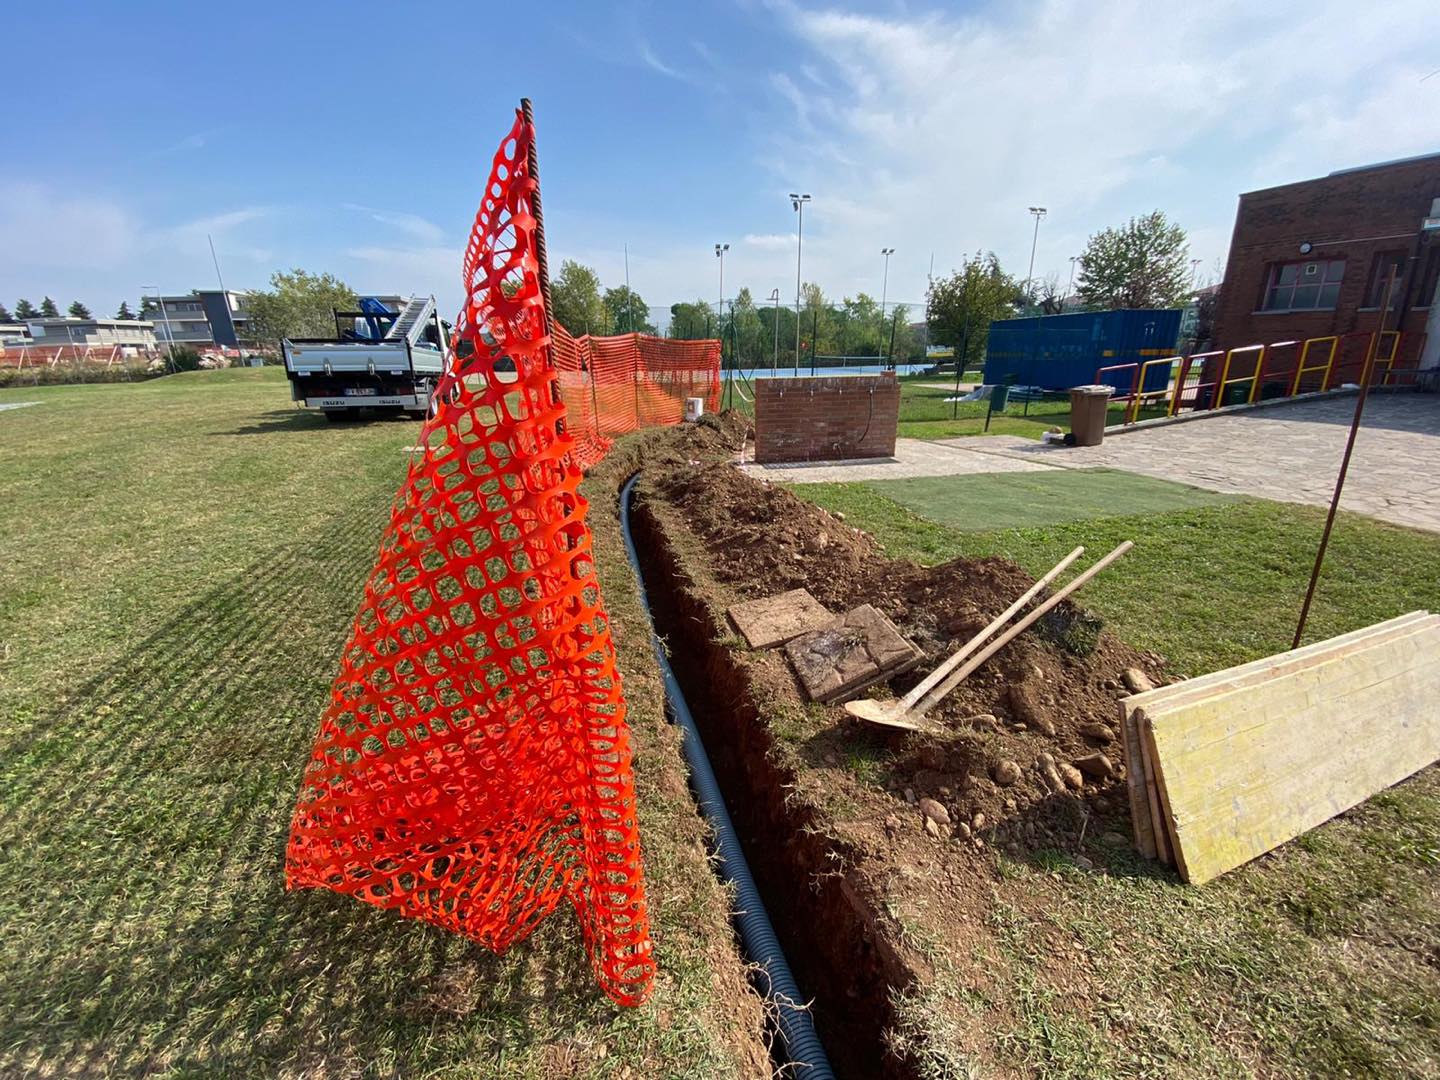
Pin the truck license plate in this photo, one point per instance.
(360, 391)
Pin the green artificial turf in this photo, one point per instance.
(989, 501)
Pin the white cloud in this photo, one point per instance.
(654, 63)
(427, 232)
(937, 131)
(770, 241)
(44, 228)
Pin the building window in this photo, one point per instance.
(1304, 286)
(1380, 270)
(1430, 280)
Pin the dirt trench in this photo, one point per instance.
(823, 911)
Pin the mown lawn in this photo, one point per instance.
(1316, 960)
(182, 561)
(925, 414)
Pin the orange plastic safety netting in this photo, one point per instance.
(615, 385)
(473, 767)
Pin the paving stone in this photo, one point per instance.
(856, 650)
(774, 620)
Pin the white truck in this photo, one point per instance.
(388, 361)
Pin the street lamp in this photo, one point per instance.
(1194, 266)
(885, 288)
(775, 363)
(165, 318)
(1071, 283)
(720, 250)
(797, 203)
(1039, 212)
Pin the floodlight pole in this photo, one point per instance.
(1039, 212)
(884, 291)
(797, 202)
(165, 320)
(720, 250)
(1070, 285)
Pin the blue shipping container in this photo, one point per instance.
(1061, 351)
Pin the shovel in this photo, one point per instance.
(897, 714)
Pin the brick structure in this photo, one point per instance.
(1311, 259)
(826, 419)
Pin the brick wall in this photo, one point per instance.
(1354, 216)
(826, 419)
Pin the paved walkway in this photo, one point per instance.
(913, 457)
(1286, 452)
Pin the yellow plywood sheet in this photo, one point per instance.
(1244, 770)
(1137, 773)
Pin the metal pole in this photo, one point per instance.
(798, 201)
(884, 292)
(814, 339)
(532, 166)
(1039, 212)
(775, 362)
(629, 296)
(1365, 372)
(893, 320)
(169, 334)
(1070, 285)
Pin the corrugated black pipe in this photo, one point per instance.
(777, 984)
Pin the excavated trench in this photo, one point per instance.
(823, 913)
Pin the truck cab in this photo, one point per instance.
(379, 359)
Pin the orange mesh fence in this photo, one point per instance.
(473, 766)
(615, 385)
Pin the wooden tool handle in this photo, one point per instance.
(923, 686)
(933, 698)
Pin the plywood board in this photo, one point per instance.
(774, 620)
(1143, 826)
(1242, 771)
(854, 651)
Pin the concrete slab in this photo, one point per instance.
(774, 620)
(856, 650)
(913, 457)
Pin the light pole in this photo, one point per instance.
(775, 362)
(1194, 266)
(165, 318)
(798, 202)
(1069, 285)
(720, 250)
(885, 289)
(1039, 212)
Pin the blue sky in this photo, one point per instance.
(334, 137)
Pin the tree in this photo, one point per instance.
(961, 307)
(627, 311)
(4, 314)
(1144, 263)
(575, 300)
(48, 310)
(25, 310)
(1049, 296)
(298, 304)
(124, 312)
(691, 322)
(77, 310)
(749, 331)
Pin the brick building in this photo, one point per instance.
(1312, 258)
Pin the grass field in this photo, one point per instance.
(1317, 960)
(925, 414)
(183, 559)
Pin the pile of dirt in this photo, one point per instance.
(1032, 755)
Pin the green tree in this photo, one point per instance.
(25, 310)
(298, 304)
(961, 307)
(691, 322)
(575, 300)
(77, 310)
(124, 312)
(4, 314)
(1144, 263)
(751, 344)
(48, 310)
(627, 311)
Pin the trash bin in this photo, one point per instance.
(1087, 413)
